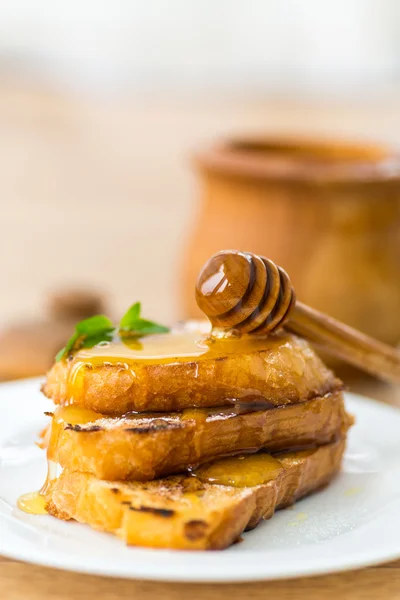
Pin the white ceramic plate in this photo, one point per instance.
(355, 522)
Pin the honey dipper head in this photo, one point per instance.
(245, 292)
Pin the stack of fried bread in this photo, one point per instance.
(181, 441)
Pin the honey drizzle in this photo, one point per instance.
(182, 346)
(34, 503)
(74, 415)
(240, 471)
(177, 346)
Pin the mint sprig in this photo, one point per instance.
(132, 323)
(88, 333)
(97, 329)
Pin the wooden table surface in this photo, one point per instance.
(27, 582)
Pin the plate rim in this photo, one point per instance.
(359, 562)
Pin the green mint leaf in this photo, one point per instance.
(88, 333)
(133, 324)
(142, 327)
(130, 317)
(72, 342)
(93, 325)
(93, 340)
(60, 354)
(97, 329)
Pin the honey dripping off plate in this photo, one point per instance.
(34, 503)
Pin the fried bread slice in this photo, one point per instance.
(141, 447)
(175, 371)
(192, 513)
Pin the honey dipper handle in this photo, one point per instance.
(346, 343)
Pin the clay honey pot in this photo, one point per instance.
(328, 212)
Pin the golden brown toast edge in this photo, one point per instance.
(182, 512)
(143, 448)
(288, 374)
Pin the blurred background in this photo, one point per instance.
(102, 104)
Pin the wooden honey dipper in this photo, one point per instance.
(250, 294)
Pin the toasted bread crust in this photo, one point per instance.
(289, 373)
(183, 512)
(144, 448)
